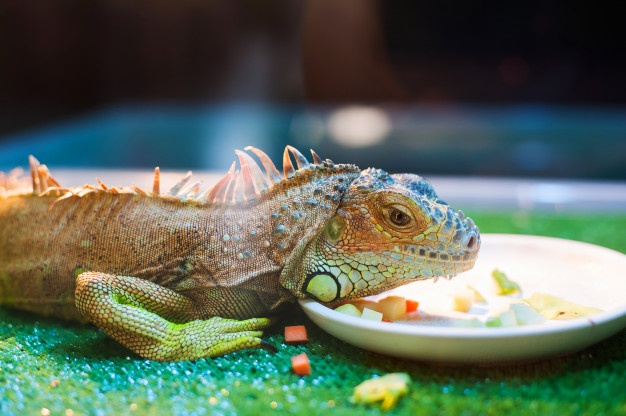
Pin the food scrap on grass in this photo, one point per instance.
(387, 389)
(296, 334)
(301, 365)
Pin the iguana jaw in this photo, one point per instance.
(339, 276)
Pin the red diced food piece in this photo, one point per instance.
(301, 365)
(296, 334)
(411, 305)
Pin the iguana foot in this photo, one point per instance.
(157, 323)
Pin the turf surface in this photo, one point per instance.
(57, 368)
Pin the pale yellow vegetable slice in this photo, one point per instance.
(462, 299)
(553, 307)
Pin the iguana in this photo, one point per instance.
(188, 274)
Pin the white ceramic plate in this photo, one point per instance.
(578, 272)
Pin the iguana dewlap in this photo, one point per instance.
(183, 274)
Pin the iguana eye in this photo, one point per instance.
(398, 217)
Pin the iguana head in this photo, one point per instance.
(387, 231)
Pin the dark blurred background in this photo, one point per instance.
(533, 88)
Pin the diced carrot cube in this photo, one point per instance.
(301, 365)
(411, 305)
(296, 334)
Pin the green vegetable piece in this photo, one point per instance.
(506, 318)
(526, 315)
(553, 307)
(505, 285)
(349, 309)
(371, 315)
(388, 389)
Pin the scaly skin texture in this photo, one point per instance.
(184, 275)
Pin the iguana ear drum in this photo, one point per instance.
(323, 286)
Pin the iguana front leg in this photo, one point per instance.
(155, 322)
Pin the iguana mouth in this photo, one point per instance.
(337, 280)
(468, 256)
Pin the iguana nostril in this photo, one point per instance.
(469, 241)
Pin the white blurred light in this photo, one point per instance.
(358, 126)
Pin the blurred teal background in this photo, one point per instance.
(527, 90)
(516, 140)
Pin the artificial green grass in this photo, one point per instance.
(71, 369)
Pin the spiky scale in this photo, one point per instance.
(316, 159)
(272, 173)
(254, 182)
(216, 193)
(301, 161)
(288, 168)
(156, 184)
(175, 190)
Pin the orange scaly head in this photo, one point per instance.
(389, 230)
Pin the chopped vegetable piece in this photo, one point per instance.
(518, 314)
(349, 309)
(392, 307)
(553, 307)
(504, 284)
(372, 315)
(388, 389)
(462, 299)
(369, 304)
(295, 334)
(526, 315)
(301, 365)
(478, 298)
(411, 305)
(506, 318)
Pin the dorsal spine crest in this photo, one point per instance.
(246, 184)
